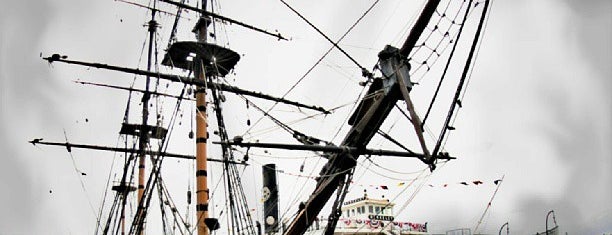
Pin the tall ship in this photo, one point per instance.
(203, 150)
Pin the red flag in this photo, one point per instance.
(384, 187)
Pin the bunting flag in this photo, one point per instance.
(347, 222)
(350, 223)
(374, 223)
(402, 184)
(399, 184)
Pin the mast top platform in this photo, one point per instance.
(136, 130)
(217, 60)
(124, 187)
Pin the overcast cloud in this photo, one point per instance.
(538, 111)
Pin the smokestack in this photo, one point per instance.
(270, 197)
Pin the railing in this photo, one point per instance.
(368, 225)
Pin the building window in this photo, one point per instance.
(377, 209)
(382, 211)
(370, 209)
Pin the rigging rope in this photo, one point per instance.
(274, 128)
(467, 11)
(319, 60)
(489, 204)
(446, 36)
(241, 218)
(388, 137)
(137, 224)
(456, 101)
(364, 71)
(108, 180)
(469, 78)
(79, 174)
(172, 38)
(436, 27)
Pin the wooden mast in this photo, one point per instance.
(144, 135)
(364, 123)
(201, 173)
(201, 137)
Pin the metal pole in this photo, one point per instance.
(547, 215)
(507, 228)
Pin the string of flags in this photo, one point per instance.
(402, 183)
(464, 183)
(316, 176)
(399, 184)
(377, 224)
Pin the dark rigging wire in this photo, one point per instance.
(126, 167)
(320, 60)
(172, 38)
(463, 76)
(388, 137)
(436, 49)
(469, 78)
(364, 71)
(450, 58)
(79, 174)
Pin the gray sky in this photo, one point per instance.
(537, 109)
